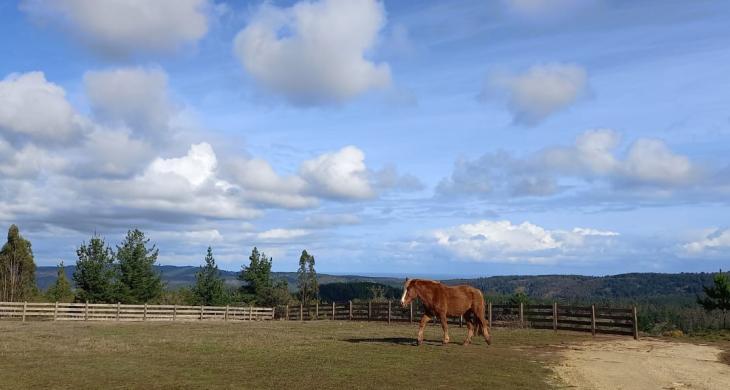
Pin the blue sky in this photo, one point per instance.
(411, 138)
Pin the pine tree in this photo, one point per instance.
(257, 285)
(61, 290)
(307, 279)
(95, 272)
(717, 296)
(209, 287)
(17, 268)
(138, 281)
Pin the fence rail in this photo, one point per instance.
(594, 319)
(119, 312)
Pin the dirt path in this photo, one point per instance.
(644, 364)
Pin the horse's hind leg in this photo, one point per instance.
(421, 326)
(469, 328)
(445, 327)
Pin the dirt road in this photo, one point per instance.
(644, 364)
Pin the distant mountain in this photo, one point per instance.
(177, 277)
(568, 287)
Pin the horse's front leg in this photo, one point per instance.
(445, 327)
(421, 326)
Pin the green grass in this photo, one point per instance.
(272, 354)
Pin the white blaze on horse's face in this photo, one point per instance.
(405, 293)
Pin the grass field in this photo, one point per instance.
(272, 354)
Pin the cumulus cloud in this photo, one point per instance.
(503, 241)
(28, 162)
(260, 184)
(31, 107)
(314, 52)
(339, 175)
(716, 241)
(539, 92)
(133, 97)
(594, 159)
(196, 167)
(124, 27)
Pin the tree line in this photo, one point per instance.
(126, 274)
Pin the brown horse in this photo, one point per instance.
(443, 301)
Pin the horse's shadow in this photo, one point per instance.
(389, 340)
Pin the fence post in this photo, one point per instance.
(144, 315)
(86, 311)
(333, 310)
(119, 306)
(174, 312)
(411, 310)
(201, 312)
(636, 325)
(301, 312)
(555, 317)
(461, 320)
(316, 310)
(250, 313)
(522, 319)
(25, 307)
(489, 309)
(55, 311)
(370, 310)
(350, 310)
(225, 316)
(593, 320)
(287, 313)
(389, 303)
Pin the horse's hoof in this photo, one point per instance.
(419, 343)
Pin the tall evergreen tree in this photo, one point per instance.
(256, 277)
(717, 295)
(95, 272)
(138, 281)
(61, 290)
(17, 268)
(209, 287)
(307, 279)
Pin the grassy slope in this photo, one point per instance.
(267, 355)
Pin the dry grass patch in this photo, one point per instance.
(275, 354)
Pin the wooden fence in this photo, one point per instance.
(618, 321)
(118, 312)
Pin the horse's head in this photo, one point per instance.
(409, 293)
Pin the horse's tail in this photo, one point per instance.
(482, 324)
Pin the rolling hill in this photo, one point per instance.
(567, 287)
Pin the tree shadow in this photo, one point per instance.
(390, 340)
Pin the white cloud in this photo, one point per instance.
(594, 159)
(314, 52)
(716, 241)
(261, 184)
(340, 175)
(32, 107)
(124, 27)
(540, 91)
(196, 167)
(135, 97)
(282, 234)
(651, 161)
(503, 241)
(109, 152)
(27, 162)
